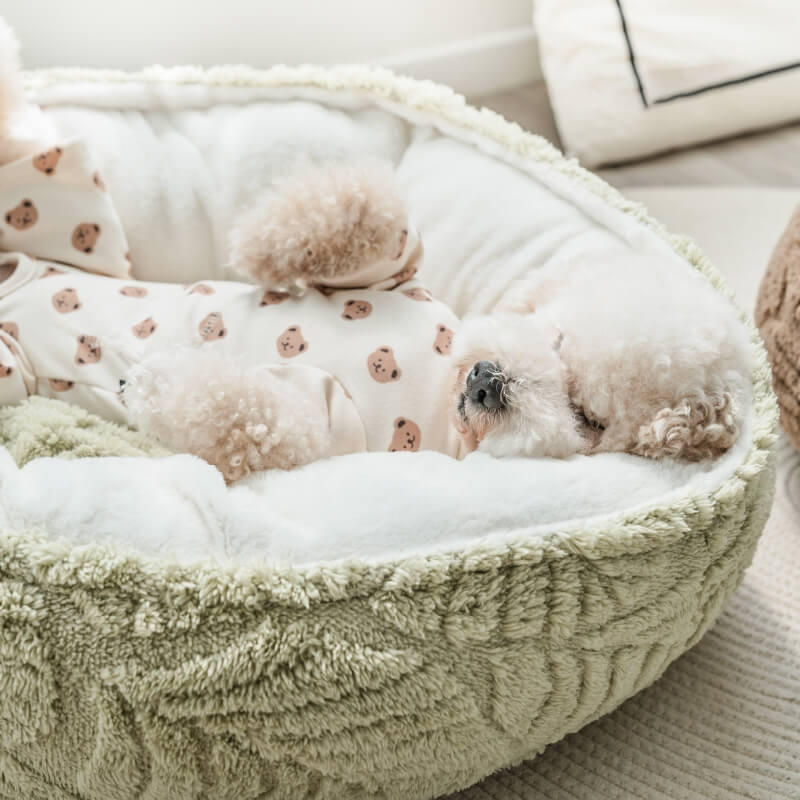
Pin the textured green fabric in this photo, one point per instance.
(40, 427)
(123, 678)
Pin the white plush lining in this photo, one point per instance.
(181, 161)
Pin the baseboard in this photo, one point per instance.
(492, 63)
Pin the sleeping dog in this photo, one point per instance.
(334, 346)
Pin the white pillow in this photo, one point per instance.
(629, 78)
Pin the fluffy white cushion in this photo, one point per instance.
(369, 505)
(635, 77)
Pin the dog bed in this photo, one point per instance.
(378, 625)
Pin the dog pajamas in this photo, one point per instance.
(376, 355)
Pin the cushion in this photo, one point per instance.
(778, 319)
(629, 78)
(392, 625)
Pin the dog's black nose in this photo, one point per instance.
(485, 385)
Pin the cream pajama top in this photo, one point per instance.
(73, 321)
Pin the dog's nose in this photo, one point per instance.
(485, 385)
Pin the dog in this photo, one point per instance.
(627, 354)
(610, 354)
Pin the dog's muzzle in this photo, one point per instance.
(485, 386)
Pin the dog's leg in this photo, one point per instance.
(338, 226)
(240, 419)
(697, 428)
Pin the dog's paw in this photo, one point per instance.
(240, 419)
(322, 223)
(697, 428)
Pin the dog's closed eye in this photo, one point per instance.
(586, 421)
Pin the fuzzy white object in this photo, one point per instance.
(240, 418)
(368, 506)
(605, 354)
(342, 225)
(598, 355)
(24, 129)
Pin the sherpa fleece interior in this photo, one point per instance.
(181, 161)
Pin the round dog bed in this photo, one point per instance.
(379, 625)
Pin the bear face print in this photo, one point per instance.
(144, 328)
(291, 342)
(59, 385)
(201, 288)
(356, 309)
(382, 365)
(99, 182)
(50, 271)
(65, 301)
(405, 274)
(443, 342)
(47, 162)
(24, 216)
(212, 327)
(11, 328)
(5, 371)
(88, 351)
(272, 298)
(406, 436)
(133, 291)
(418, 294)
(85, 236)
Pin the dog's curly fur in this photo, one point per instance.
(624, 353)
(236, 417)
(320, 223)
(534, 419)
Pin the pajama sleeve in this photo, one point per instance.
(55, 207)
(385, 274)
(323, 396)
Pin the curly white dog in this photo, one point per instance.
(631, 354)
(635, 354)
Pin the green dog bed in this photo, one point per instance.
(392, 672)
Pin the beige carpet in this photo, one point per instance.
(724, 720)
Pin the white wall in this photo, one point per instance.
(473, 37)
